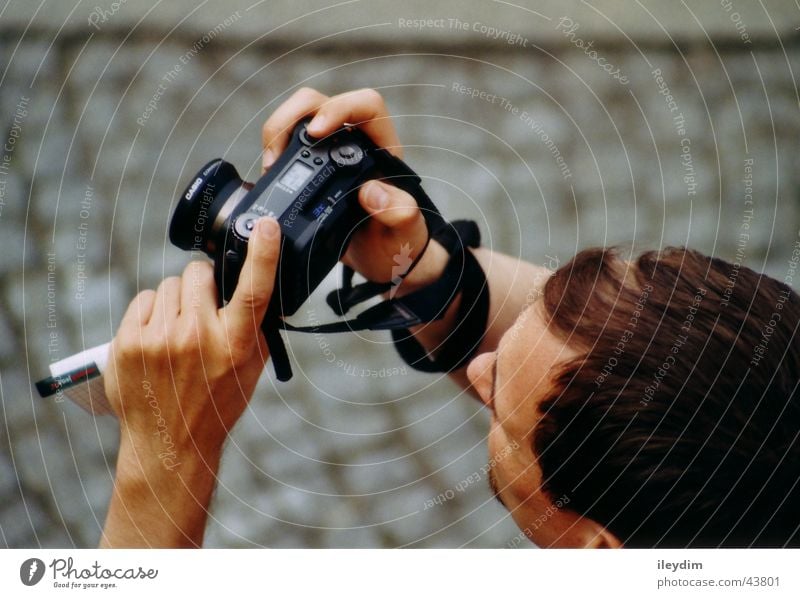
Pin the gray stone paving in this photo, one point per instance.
(332, 458)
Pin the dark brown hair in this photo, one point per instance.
(679, 424)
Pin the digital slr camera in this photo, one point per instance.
(312, 191)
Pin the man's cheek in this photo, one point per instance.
(495, 435)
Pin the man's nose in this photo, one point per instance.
(479, 373)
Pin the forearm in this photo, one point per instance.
(513, 284)
(154, 506)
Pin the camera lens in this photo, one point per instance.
(192, 225)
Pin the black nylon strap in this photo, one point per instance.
(424, 305)
(277, 349)
(473, 310)
(343, 299)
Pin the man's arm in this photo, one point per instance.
(154, 507)
(180, 375)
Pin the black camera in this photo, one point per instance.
(312, 192)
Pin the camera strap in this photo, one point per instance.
(462, 275)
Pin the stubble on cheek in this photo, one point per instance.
(494, 487)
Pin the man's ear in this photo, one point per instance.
(590, 534)
(569, 529)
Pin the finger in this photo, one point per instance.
(278, 128)
(139, 310)
(247, 307)
(388, 204)
(198, 291)
(167, 303)
(364, 108)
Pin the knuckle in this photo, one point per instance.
(268, 132)
(203, 334)
(306, 93)
(152, 345)
(408, 216)
(197, 271)
(186, 341)
(248, 300)
(137, 310)
(126, 347)
(145, 296)
(168, 284)
(240, 347)
(371, 96)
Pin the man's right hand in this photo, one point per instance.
(395, 219)
(181, 372)
(396, 229)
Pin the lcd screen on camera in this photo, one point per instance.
(295, 176)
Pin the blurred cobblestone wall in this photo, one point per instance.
(527, 134)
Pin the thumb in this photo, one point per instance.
(253, 292)
(388, 204)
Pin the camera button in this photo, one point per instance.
(306, 138)
(347, 154)
(305, 153)
(244, 225)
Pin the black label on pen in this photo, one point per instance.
(50, 386)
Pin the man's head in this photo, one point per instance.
(649, 403)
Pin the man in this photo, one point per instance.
(650, 402)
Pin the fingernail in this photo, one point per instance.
(317, 125)
(268, 159)
(377, 196)
(268, 227)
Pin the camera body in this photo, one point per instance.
(312, 191)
